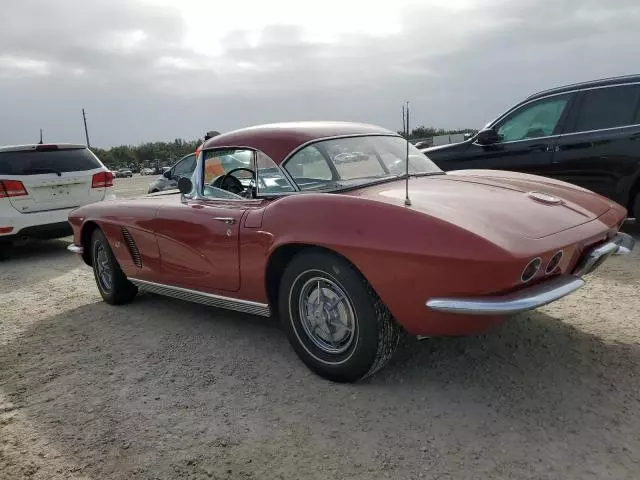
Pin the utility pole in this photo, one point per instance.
(40, 142)
(86, 131)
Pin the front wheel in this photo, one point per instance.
(334, 320)
(112, 283)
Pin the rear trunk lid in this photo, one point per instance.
(490, 206)
(55, 176)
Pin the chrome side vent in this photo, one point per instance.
(132, 247)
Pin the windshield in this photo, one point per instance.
(352, 161)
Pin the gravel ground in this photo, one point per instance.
(166, 389)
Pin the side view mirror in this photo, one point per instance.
(167, 174)
(488, 137)
(185, 185)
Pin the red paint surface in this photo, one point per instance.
(467, 233)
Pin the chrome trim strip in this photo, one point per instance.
(73, 248)
(520, 301)
(218, 301)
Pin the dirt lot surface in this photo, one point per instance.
(165, 389)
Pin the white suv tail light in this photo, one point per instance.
(12, 188)
(102, 180)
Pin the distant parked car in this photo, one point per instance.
(587, 134)
(124, 173)
(147, 171)
(41, 184)
(170, 176)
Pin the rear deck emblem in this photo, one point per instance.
(545, 198)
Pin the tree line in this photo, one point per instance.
(160, 154)
(150, 154)
(427, 132)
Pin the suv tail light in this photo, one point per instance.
(102, 180)
(12, 188)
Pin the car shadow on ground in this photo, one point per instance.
(34, 250)
(162, 385)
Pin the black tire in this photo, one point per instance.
(375, 333)
(5, 250)
(118, 290)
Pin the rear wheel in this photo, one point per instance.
(111, 280)
(334, 320)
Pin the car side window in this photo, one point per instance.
(538, 119)
(271, 180)
(608, 108)
(308, 167)
(220, 162)
(185, 167)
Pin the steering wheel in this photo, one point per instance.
(230, 183)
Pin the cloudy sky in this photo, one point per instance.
(159, 69)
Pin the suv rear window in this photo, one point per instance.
(607, 108)
(33, 162)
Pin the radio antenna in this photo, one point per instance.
(405, 124)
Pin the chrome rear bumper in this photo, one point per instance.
(520, 301)
(621, 244)
(540, 294)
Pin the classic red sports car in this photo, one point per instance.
(310, 221)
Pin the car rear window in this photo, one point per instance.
(33, 162)
(608, 108)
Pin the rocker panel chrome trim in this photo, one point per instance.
(218, 301)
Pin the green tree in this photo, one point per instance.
(147, 154)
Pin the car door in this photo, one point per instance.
(199, 237)
(600, 150)
(527, 137)
(199, 243)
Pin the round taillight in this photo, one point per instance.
(531, 269)
(554, 263)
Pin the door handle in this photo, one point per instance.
(227, 220)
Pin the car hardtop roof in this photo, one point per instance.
(36, 146)
(278, 140)
(603, 82)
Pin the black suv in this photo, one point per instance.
(587, 134)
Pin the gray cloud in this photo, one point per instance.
(125, 62)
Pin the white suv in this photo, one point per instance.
(41, 184)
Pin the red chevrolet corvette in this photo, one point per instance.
(311, 221)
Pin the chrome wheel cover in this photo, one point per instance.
(103, 268)
(326, 315)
